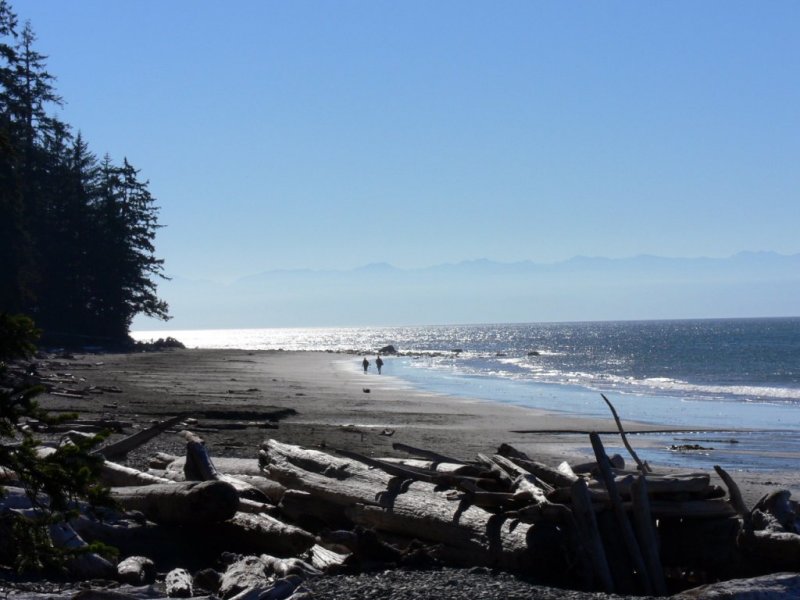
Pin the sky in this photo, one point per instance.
(330, 135)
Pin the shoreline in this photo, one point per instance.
(332, 409)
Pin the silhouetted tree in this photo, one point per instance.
(76, 237)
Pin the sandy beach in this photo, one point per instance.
(323, 400)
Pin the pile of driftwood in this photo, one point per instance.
(294, 512)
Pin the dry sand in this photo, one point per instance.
(321, 400)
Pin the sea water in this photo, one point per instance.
(738, 375)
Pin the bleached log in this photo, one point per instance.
(470, 536)
(283, 567)
(415, 509)
(647, 536)
(199, 466)
(204, 543)
(161, 460)
(524, 482)
(324, 559)
(625, 529)
(617, 462)
(642, 466)
(434, 466)
(229, 465)
(247, 572)
(734, 493)
(180, 503)
(136, 570)
(178, 584)
(779, 505)
(122, 447)
(553, 477)
(589, 534)
(350, 482)
(427, 454)
(398, 470)
(505, 479)
(263, 533)
(116, 475)
(680, 483)
(251, 506)
(302, 507)
(85, 565)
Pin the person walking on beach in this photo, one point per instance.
(379, 363)
(365, 364)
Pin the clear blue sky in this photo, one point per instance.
(334, 134)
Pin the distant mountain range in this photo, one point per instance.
(749, 284)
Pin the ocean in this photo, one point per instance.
(737, 376)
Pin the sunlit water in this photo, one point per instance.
(712, 374)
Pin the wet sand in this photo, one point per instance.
(323, 400)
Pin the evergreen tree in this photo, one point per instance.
(76, 237)
(125, 261)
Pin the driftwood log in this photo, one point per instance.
(374, 499)
(136, 570)
(180, 503)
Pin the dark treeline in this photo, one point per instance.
(76, 232)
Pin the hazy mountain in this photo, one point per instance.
(482, 291)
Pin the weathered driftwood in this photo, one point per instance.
(435, 466)
(170, 546)
(263, 533)
(85, 565)
(338, 480)
(734, 493)
(247, 572)
(647, 536)
(495, 470)
(121, 447)
(282, 567)
(469, 536)
(199, 466)
(407, 471)
(251, 506)
(304, 509)
(415, 509)
(174, 468)
(779, 504)
(625, 528)
(617, 462)
(680, 483)
(523, 482)
(589, 534)
(642, 466)
(180, 503)
(161, 460)
(178, 584)
(136, 570)
(116, 475)
(324, 559)
(562, 476)
(427, 454)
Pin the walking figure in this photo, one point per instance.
(379, 364)
(365, 364)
